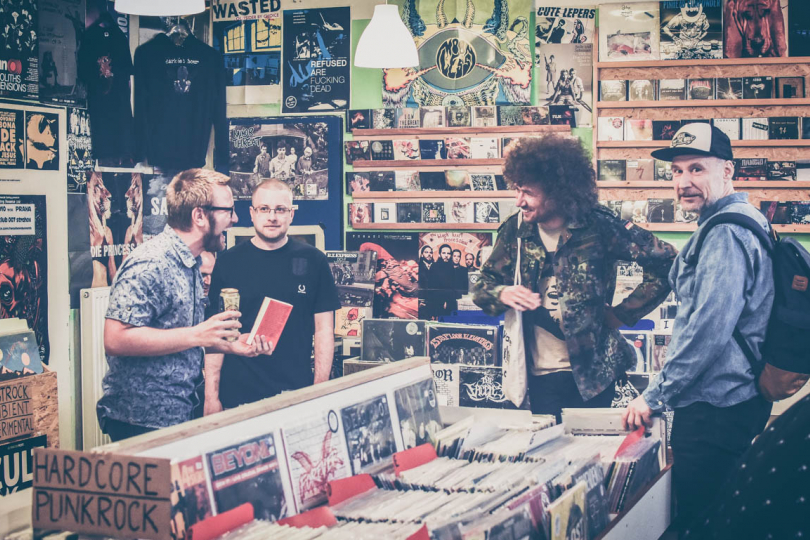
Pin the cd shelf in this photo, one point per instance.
(422, 226)
(458, 131)
(367, 164)
(765, 184)
(701, 63)
(393, 196)
(691, 227)
(787, 143)
(775, 102)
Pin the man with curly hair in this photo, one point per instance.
(569, 248)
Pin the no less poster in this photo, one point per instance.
(24, 265)
(61, 24)
(248, 34)
(317, 65)
(19, 46)
(11, 139)
(470, 53)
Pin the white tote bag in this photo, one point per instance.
(513, 351)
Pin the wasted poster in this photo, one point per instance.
(12, 139)
(115, 211)
(294, 150)
(248, 34)
(24, 264)
(19, 49)
(80, 155)
(61, 24)
(476, 52)
(317, 63)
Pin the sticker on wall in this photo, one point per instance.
(80, 156)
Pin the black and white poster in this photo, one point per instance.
(568, 78)
(61, 24)
(418, 411)
(80, 154)
(42, 141)
(24, 264)
(248, 34)
(317, 64)
(691, 29)
(353, 272)
(391, 340)
(12, 139)
(369, 435)
(17, 464)
(19, 49)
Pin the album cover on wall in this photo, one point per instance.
(457, 180)
(356, 150)
(634, 211)
(691, 29)
(382, 181)
(613, 90)
(566, 25)
(638, 129)
(701, 89)
(641, 90)
(611, 170)
(782, 170)
(482, 386)
(474, 345)
(445, 377)
(611, 128)
(482, 182)
(418, 412)
(510, 115)
(790, 87)
(741, 29)
(777, 212)
(369, 435)
(640, 170)
(484, 148)
(663, 170)
(755, 129)
(671, 89)
(628, 31)
(408, 118)
(382, 150)
(391, 340)
(385, 212)
(457, 147)
(660, 210)
(562, 115)
(484, 116)
(460, 212)
(431, 116)
(348, 321)
(432, 149)
(383, 118)
(683, 216)
(353, 272)
(358, 119)
(783, 127)
(487, 212)
(458, 116)
(729, 88)
(433, 212)
(407, 180)
(409, 212)
(729, 126)
(757, 87)
(800, 212)
(751, 169)
(567, 81)
(405, 149)
(360, 213)
(664, 130)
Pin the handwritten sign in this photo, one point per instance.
(16, 411)
(106, 494)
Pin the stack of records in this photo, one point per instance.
(352, 530)
(634, 468)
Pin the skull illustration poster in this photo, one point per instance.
(471, 52)
(317, 63)
(691, 29)
(316, 450)
(24, 265)
(19, 49)
(248, 34)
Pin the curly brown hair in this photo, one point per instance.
(560, 168)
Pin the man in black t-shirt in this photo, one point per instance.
(275, 266)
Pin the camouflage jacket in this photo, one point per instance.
(586, 277)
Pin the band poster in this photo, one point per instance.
(248, 34)
(11, 139)
(470, 53)
(61, 24)
(691, 29)
(317, 60)
(24, 264)
(80, 156)
(19, 50)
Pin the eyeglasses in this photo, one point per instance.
(280, 211)
(228, 209)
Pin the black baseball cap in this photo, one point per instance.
(698, 139)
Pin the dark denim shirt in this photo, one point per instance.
(159, 286)
(732, 284)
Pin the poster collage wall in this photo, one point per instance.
(287, 469)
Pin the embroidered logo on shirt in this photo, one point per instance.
(302, 289)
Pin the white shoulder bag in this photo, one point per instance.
(513, 355)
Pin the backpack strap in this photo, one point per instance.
(767, 240)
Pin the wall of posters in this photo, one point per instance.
(61, 24)
(317, 60)
(470, 53)
(12, 138)
(24, 264)
(691, 29)
(80, 154)
(19, 45)
(248, 34)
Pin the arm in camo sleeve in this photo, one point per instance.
(498, 271)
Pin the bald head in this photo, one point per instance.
(271, 184)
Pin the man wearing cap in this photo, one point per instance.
(707, 379)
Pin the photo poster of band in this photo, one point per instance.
(303, 151)
(19, 49)
(445, 260)
(248, 34)
(476, 52)
(61, 25)
(317, 60)
(691, 29)
(24, 264)
(739, 32)
(396, 287)
(80, 153)
(12, 139)
(115, 211)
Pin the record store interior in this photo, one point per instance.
(404, 269)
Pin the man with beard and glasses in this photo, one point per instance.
(569, 249)
(156, 333)
(276, 266)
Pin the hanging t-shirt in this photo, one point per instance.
(545, 338)
(179, 96)
(105, 67)
(296, 273)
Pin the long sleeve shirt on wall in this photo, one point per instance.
(105, 67)
(179, 96)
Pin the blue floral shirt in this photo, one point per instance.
(159, 286)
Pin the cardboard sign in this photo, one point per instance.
(106, 494)
(16, 411)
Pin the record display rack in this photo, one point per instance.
(774, 150)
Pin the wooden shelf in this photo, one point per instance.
(484, 131)
(665, 144)
(689, 227)
(770, 184)
(427, 226)
(429, 194)
(420, 164)
(699, 63)
(797, 102)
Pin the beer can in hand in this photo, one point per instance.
(229, 300)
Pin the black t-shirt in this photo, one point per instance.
(105, 67)
(296, 273)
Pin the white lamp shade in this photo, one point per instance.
(386, 42)
(160, 8)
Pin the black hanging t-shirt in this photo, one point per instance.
(179, 95)
(105, 67)
(296, 273)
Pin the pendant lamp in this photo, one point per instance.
(386, 42)
(160, 8)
